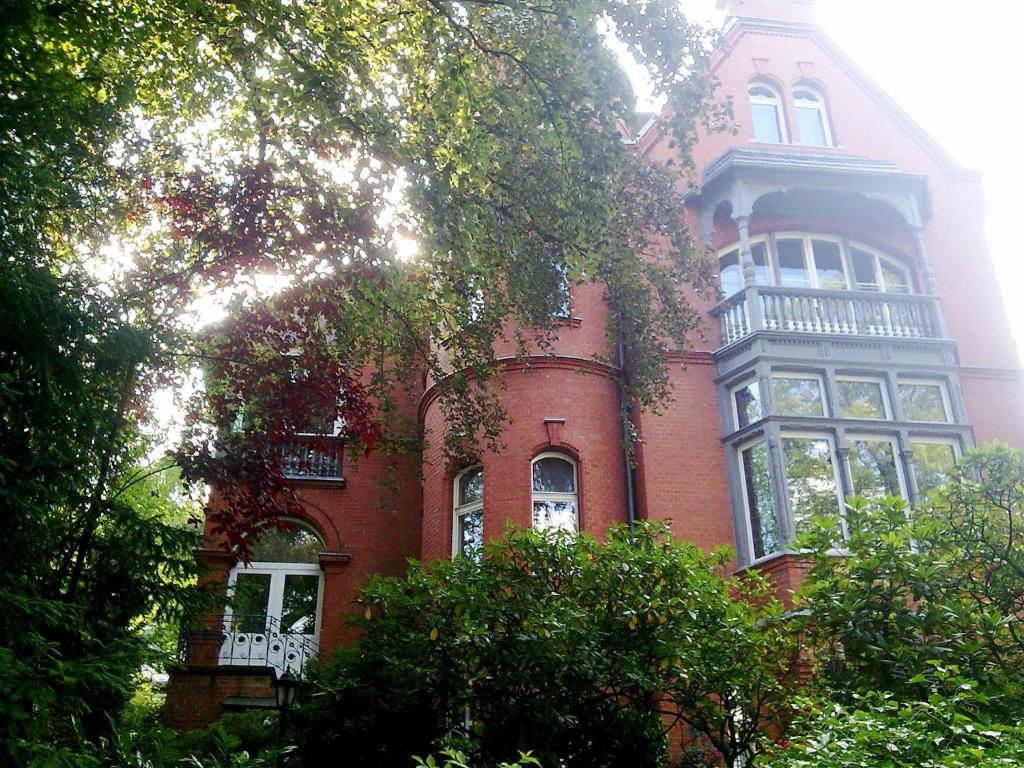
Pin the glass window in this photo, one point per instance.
(873, 467)
(864, 274)
(810, 480)
(274, 602)
(468, 520)
(932, 462)
(762, 272)
(828, 264)
(811, 118)
(793, 272)
(893, 277)
(757, 489)
(924, 401)
(747, 398)
(766, 113)
(797, 395)
(730, 272)
(555, 499)
(861, 398)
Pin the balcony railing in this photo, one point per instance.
(248, 641)
(301, 459)
(844, 313)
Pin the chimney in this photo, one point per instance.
(795, 11)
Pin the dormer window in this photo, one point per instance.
(766, 111)
(811, 117)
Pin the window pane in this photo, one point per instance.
(748, 404)
(470, 536)
(864, 270)
(923, 402)
(828, 264)
(810, 480)
(931, 463)
(873, 468)
(757, 483)
(471, 486)
(298, 605)
(797, 396)
(730, 273)
(297, 545)
(762, 275)
(766, 123)
(860, 399)
(553, 475)
(249, 602)
(895, 278)
(554, 515)
(812, 129)
(792, 268)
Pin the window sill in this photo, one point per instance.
(317, 482)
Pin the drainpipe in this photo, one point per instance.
(627, 437)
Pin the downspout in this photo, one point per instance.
(627, 432)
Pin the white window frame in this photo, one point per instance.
(943, 391)
(837, 479)
(458, 512)
(760, 440)
(536, 495)
(897, 457)
(818, 104)
(773, 101)
(275, 604)
(886, 405)
(784, 374)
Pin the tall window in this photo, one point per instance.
(468, 517)
(555, 495)
(765, 537)
(273, 608)
(766, 112)
(812, 117)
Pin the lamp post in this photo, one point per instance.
(285, 687)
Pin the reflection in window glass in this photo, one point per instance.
(873, 468)
(792, 267)
(468, 536)
(554, 494)
(895, 279)
(748, 404)
(298, 605)
(797, 396)
(828, 264)
(297, 544)
(757, 485)
(730, 273)
(860, 399)
(250, 600)
(932, 462)
(811, 480)
(923, 401)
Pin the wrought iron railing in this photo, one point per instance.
(846, 313)
(302, 459)
(248, 641)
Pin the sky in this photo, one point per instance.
(950, 65)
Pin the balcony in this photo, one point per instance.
(828, 312)
(312, 459)
(248, 641)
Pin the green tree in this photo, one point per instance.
(584, 653)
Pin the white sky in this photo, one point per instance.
(950, 64)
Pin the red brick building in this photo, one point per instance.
(861, 345)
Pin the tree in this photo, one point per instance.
(584, 653)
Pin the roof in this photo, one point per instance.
(738, 157)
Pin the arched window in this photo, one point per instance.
(468, 516)
(812, 117)
(766, 111)
(273, 612)
(555, 495)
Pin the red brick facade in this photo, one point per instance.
(567, 403)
